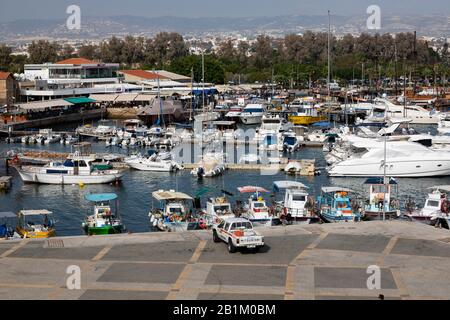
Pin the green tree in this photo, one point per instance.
(43, 51)
(5, 57)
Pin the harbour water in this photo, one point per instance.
(134, 191)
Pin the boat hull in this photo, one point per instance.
(251, 119)
(377, 215)
(156, 167)
(44, 178)
(104, 230)
(305, 120)
(331, 218)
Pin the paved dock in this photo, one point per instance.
(299, 262)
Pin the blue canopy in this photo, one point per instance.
(322, 124)
(102, 197)
(379, 180)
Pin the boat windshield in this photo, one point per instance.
(222, 208)
(298, 197)
(433, 203)
(175, 210)
(259, 204)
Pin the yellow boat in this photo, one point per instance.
(35, 224)
(305, 113)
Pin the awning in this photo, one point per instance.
(7, 214)
(279, 185)
(126, 97)
(336, 189)
(145, 97)
(79, 100)
(162, 195)
(251, 189)
(42, 105)
(104, 97)
(34, 212)
(102, 197)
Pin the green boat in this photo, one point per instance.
(104, 220)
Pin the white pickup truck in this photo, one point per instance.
(237, 233)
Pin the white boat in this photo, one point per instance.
(218, 209)
(384, 109)
(78, 168)
(436, 205)
(54, 138)
(207, 116)
(233, 113)
(252, 114)
(298, 205)
(404, 159)
(256, 209)
(211, 165)
(153, 162)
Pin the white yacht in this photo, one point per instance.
(252, 114)
(153, 162)
(211, 165)
(384, 109)
(403, 159)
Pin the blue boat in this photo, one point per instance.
(334, 205)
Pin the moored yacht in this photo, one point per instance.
(252, 114)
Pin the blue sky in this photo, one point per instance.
(55, 9)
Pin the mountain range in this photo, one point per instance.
(97, 28)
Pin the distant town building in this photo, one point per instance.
(8, 89)
(67, 78)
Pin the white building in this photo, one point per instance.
(68, 78)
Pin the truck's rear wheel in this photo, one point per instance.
(231, 247)
(215, 237)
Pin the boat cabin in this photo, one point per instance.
(437, 201)
(380, 193)
(106, 219)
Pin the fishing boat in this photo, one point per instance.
(436, 205)
(298, 205)
(76, 169)
(252, 114)
(381, 194)
(218, 209)
(305, 112)
(105, 220)
(211, 165)
(334, 205)
(152, 162)
(174, 212)
(256, 209)
(35, 224)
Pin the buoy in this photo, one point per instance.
(81, 185)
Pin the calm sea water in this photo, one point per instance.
(135, 201)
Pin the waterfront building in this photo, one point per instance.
(68, 78)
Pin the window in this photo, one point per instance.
(259, 205)
(221, 224)
(239, 225)
(227, 225)
(433, 203)
(298, 198)
(82, 164)
(175, 210)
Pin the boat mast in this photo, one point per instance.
(384, 175)
(161, 117)
(328, 54)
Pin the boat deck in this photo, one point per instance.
(298, 262)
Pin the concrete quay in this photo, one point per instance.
(327, 261)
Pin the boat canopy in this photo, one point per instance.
(379, 180)
(336, 189)
(162, 195)
(251, 189)
(279, 185)
(102, 197)
(7, 214)
(443, 188)
(34, 212)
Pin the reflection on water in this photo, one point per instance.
(69, 206)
